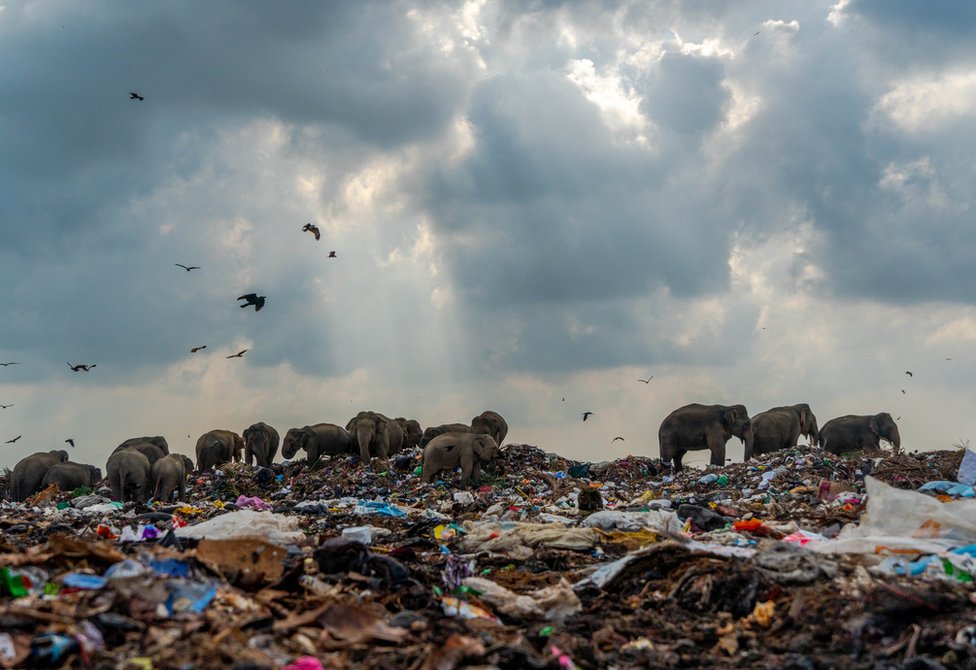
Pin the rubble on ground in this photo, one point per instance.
(797, 559)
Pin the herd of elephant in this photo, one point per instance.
(142, 468)
(698, 427)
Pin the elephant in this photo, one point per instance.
(70, 476)
(28, 474)
(433, 431)
(412, 433)
(322, 439)
(853, 432)
(128, 475)
(260, 444)
(779, 427)
(158, 440)
(492, 424)
(375, 434)
(695, 427)
(218, 446)
(150, 450)
(168, 474)
(449, 450)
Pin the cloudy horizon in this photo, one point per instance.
(533, 205)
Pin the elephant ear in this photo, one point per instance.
(804, 416)
(479, 446)
(874, 425)
(729, 417)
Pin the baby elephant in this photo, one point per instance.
(70, 476)
(168, 474)
(449, 450)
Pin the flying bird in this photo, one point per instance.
(253, 299)
(238, 354)
(312, 228)
(646, 381)
(586, 415)
(10, 363)
(909, 373)
(332, 254)
(81, 366)
(188, 267)
(6, 406)
(70, 441)
(903, 390)
(13, 440)
(135, 96)
(617, 438)
(196, 349)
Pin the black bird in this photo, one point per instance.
(617, 438)
(13, 440)
(135, 96)
(81, 366)
(238, 354)
(903, 390)
(586, 415)
(188, 267)
(908, 372)
(6, 406)
(312, 228)
(332, 254)
(70, 441)
(646, 381)
(253, 299)
(196, 349)
(11, 363)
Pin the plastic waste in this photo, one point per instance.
(949, 488)
(659, 520)
(464, 497)
(378, 507)
(453, 606)
(275, 528)
(967, 468)
(50, 648)
(253, 502)
(189, 596)
(552, 603)
(305, 663)
(78, 580)
(709, 478)
(358, 533)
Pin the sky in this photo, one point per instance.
(533, 205)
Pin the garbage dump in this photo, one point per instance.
(796, 559)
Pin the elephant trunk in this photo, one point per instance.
(895, 438)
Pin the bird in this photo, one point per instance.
(10, 363)
(312, 228)
(135, 96)
(196, 349)
(586, 415)
(332, 254)
(909, 373)
(6, 406)
(903, 390)
(898, 418)
(238, 354)
(617, 438)
(70, 441)
(13, 440)
(756, 33)
(646, 381)
(253, 299)
(188, 267)
(948, 359)
(81, 366)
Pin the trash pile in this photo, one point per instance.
(796, 559)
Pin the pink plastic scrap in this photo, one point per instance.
(305, 662)
(255, 503)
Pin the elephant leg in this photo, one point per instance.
(476, 472)
(313, 454)
(467, 466)
(716, 445)
(676, 459)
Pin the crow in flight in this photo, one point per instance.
(332, 254)
(646, 381)
(70, 441)
(196, 349)
(312, 228)
(586, 415)
(238, 354)
(11, 363)
(6, 406)
(253, 299)
(617, 438)
(135, 96)
(188, 267)
(13, 440)
(909, 373)
(81, 366)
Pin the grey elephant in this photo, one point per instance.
(780, 427)
(28, 474)
(70, 476)
(129, 475)
(855, 432)
(260, 444)
(490, 423)
(433, 431)
(168, 474)
(467, 450)
(218, 446)
(158, 440)
(150, 450)
(412, 433)
(695, 427)
(321, 439)
(375, 435)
